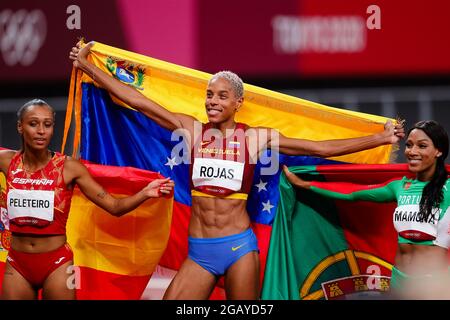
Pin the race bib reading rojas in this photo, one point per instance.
(30, 203)
(218, 173)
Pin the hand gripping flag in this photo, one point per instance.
(115, 257)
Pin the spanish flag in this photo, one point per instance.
(109, 132)
(115, 257)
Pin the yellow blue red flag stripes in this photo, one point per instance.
(109, 132)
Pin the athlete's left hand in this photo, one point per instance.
(159, 187)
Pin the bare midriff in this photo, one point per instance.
(36, 243)
(421, 260)
(216, 217)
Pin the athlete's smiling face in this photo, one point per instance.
(36, 126)
(221, 101)
(421, 153)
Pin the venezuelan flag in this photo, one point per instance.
(109, 132)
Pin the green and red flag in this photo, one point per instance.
(322, 248)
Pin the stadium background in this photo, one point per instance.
(319, 50)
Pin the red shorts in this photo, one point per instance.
(36, 267)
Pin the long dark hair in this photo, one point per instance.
(432, 194)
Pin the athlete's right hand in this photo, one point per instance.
(79, 54)
(295, 180)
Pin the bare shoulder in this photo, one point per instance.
(185, 117)
(5, 159)
(73, 168)
(186, 120)
(188, 124)
(7, 154)
(262, 133)
(262, 129)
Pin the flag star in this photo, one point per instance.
(261, 185)
(171, 162)
(267, 206)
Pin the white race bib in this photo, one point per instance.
(30, 203)
(406, 221)
(218, 173)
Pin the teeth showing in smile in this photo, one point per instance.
(213, 112)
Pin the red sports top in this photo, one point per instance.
(220, 165)
(38, 202)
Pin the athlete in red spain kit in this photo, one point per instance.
(221, 241)
(39, 191)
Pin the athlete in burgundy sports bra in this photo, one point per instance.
(221, 241)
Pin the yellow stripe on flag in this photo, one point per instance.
(181, 89)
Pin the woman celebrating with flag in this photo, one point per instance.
(422, 217)
(223, 155)
(39, 189)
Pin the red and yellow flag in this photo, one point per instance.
(115, 257)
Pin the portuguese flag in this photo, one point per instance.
(332, 249)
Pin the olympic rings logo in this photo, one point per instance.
(22, 34)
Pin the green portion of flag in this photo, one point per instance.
(306, 230)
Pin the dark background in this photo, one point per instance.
(319, 50)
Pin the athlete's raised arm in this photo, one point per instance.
(127, 94)
(331, 148)
(384, 192)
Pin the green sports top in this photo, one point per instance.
(407, 192)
